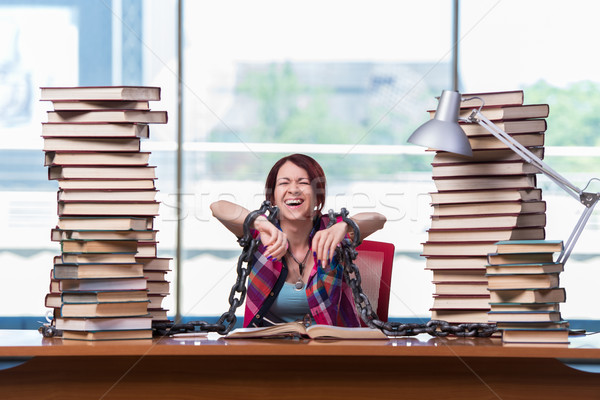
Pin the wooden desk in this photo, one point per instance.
(421, 367)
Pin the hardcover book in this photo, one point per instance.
(297, 329)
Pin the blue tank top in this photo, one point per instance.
(291, 304)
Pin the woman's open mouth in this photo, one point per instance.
(294, 203)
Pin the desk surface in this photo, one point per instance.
(216, 368)
(28, 343)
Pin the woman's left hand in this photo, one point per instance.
(325, 242)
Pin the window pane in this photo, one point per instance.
(544, 48)
(68, 43)
(345, 82)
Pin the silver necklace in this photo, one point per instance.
(299, 285)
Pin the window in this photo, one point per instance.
(343, 81)
(511, 44)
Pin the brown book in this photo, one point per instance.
(533, 325)
(137, 334)
(483, 169)
(54, 286)
(78, 258)
(482, 196)
(130, 93)
(529, 246)
(78, 105)
(491, 142)
(523, 281)
(520, 258)
(108, 194)
(545, 345)
(107, 184)
(103, 284)
(60, 144)
(101, 172)
(490, 99)
(94, 130)
(137, 208)
(155, 276)
(52, 300)
(459, 275)
(156, 300)
(447, 262)
(537, 268)
(489, 208)
(557, 295)
(524, 316)
(158, 314)
(458, 235)
(98, 324)
(461, 288)
(508, 112)
(455, 302)
(485, 182)
(485, 155)
(104, 296)
(105, 223)
(458, 248)
(155, 263)
(146, 235)
(95, 158)
(112, 309)
(504, 307)
(489, 221)
(510, 127)
(147, 249)
(140, 116)
(158, 287)
(460, 316)
(99, 246)
(91, 270)
(529, 335)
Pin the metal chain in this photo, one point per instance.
(347, 254)
(228, 319)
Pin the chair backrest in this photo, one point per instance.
(375, 261)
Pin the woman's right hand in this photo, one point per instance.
(271, 237)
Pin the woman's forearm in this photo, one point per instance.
(231, 215)
(368, 223)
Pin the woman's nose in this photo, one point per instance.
(294, 188)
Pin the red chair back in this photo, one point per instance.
(375, 261)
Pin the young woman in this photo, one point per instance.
(294, 272)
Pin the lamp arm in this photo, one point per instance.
(586, 198)
(527, 155)
(583, 219)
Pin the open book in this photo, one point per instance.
(297, 329)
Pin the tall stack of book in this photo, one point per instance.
(523, 281)
(108, 282)
(481, 200)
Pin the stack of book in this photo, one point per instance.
(108, 282)
(523, 281)
(481, 200)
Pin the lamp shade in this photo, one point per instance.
(443, 131)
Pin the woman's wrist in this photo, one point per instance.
(261, 219)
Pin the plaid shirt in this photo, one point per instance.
(329, 297)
